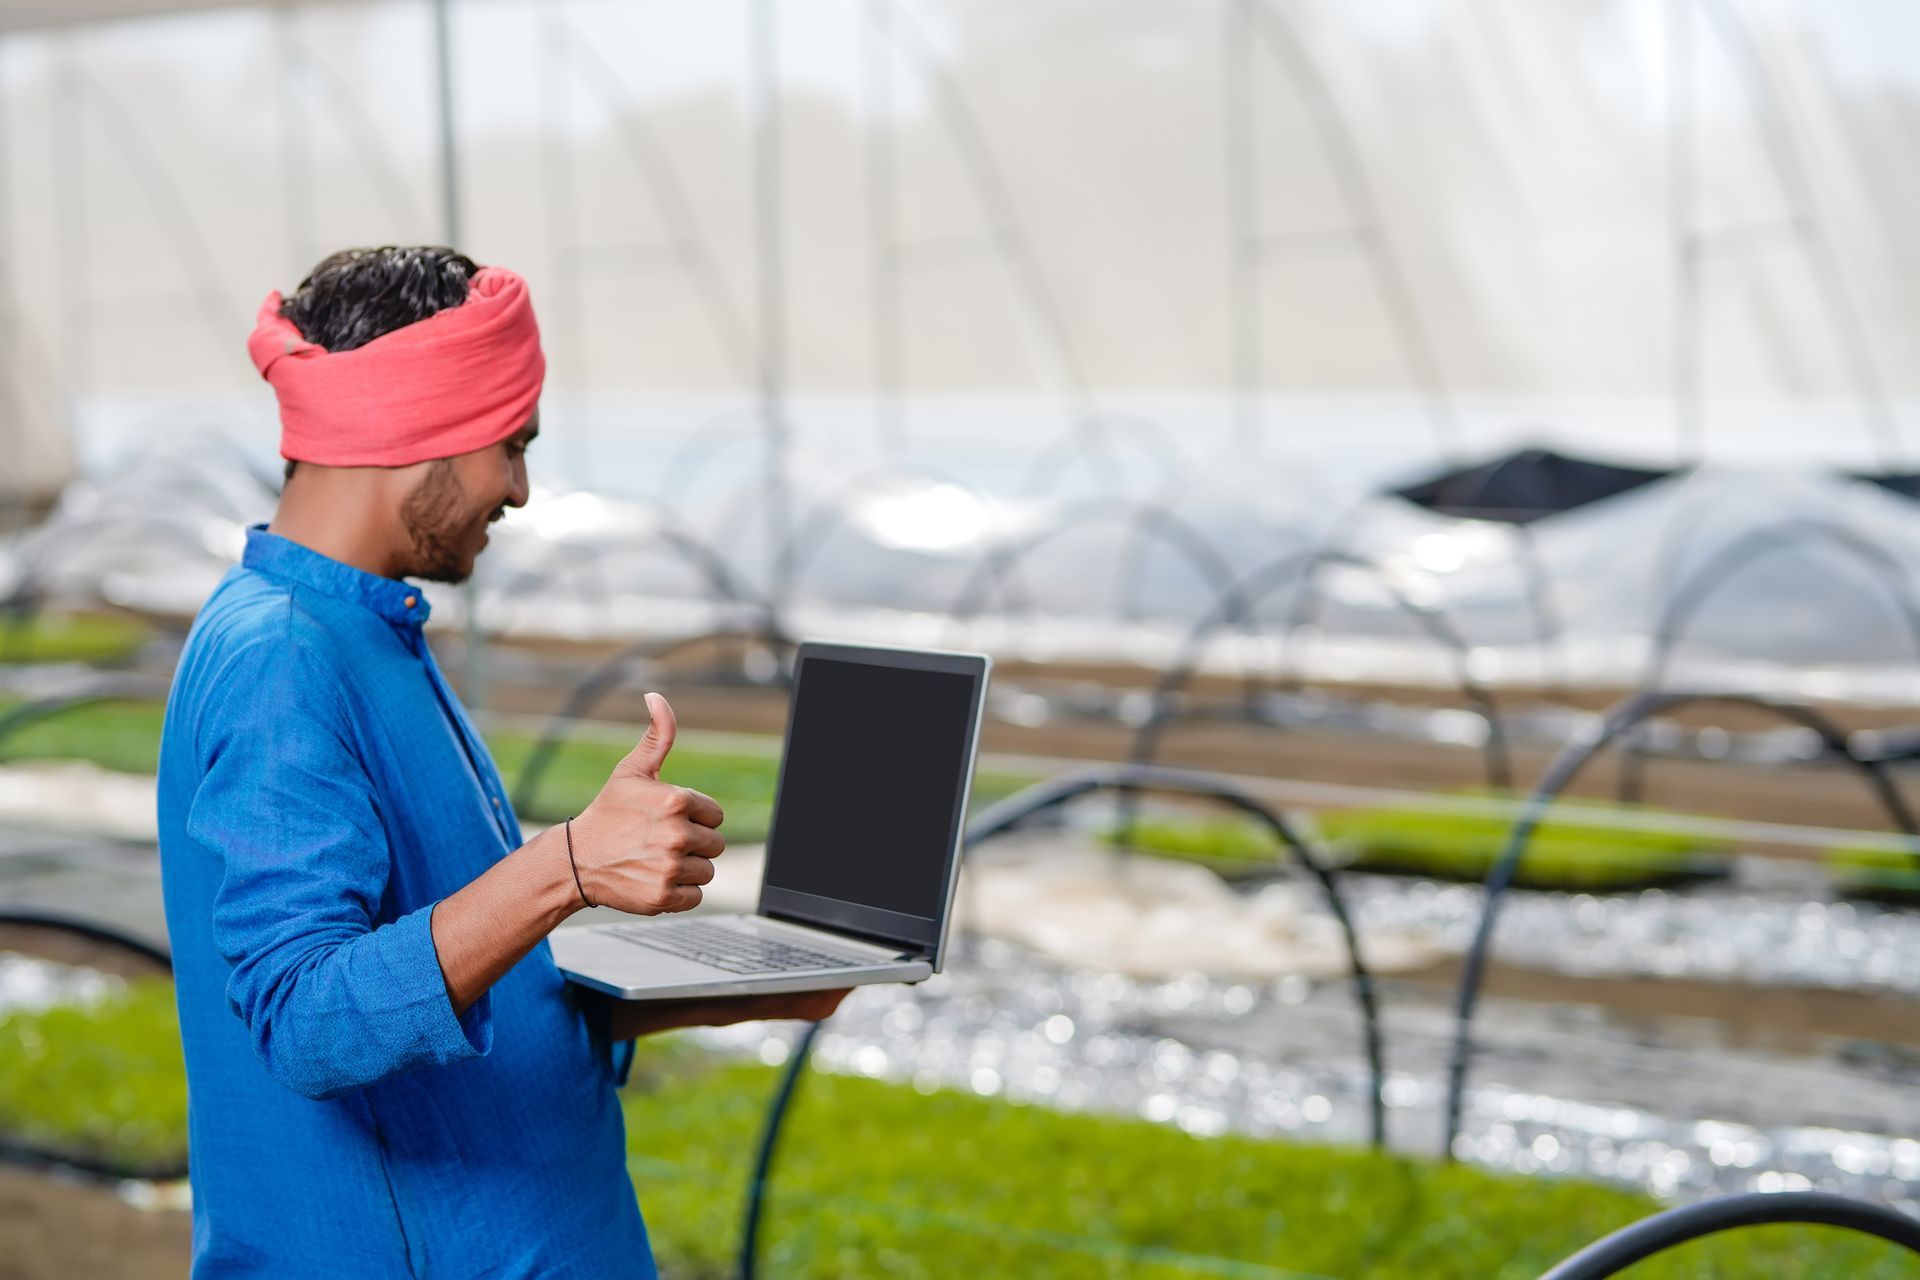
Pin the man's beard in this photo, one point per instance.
(434, 518)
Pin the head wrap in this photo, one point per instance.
(461, 379)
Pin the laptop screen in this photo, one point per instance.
(877, 760)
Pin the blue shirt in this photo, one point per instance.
(320, 791)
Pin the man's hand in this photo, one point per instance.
(643, 845)
(644, 1017)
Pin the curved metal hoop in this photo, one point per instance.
(1615, 1253)
(1249, 589)
(1004, 817)
(1142, 518)
(1559, 775)
(1688, 599)
(812, 529)
(1090, 440)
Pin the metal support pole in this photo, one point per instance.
(449, 152)
(69, 149)
(1243, 257)
(11, 396)
(473, 662)
(563, 239)
(295, 160)
(1688, 434)
(882, 232)
(770, 295)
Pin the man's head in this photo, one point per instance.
(439, 506)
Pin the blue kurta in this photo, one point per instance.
(320, 790)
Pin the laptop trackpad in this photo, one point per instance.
(592, 951)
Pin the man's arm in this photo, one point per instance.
(643, 845)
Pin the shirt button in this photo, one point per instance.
(411, 601)
(496, 802)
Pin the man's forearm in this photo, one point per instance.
(485, 929)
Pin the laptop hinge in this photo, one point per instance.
(873, 939)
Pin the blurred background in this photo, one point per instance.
(1407, 458)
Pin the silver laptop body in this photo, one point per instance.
(862, 854)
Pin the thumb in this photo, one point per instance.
(646, 758)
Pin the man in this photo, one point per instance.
(386, 1074)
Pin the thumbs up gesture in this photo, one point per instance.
(643, 845)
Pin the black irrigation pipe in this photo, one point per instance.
(1003, 817)
(770, 1130)
(1615, 1253)
(1621, 719)
(1686, 601)
(32, 1155)
(91, 930)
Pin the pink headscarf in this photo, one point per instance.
(462, 379)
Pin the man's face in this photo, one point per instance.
(447, 513)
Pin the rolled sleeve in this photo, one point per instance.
(332, 999)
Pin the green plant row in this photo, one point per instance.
(880, 1180)
(69, 637)
(1886, 872)
(1444, 845)
(1564, 854)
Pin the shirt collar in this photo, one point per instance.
(279, 557)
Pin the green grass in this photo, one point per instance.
(1450, 846)
(877, 1180)
(69, 637)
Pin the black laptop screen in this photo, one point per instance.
(875, 762)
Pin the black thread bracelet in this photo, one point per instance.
(576, 866)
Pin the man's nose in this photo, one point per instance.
(517, 495)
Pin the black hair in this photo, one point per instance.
(356, 295)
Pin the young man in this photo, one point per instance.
(386, 1074)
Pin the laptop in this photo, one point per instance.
(862, 854)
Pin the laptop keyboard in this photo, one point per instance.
(734, 950)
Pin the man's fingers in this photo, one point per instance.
(703, 808)
(705, 841)
(646, 758)
(694, 870)
(682, 897)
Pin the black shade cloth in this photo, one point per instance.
(1525, 486)
(1904, 483)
